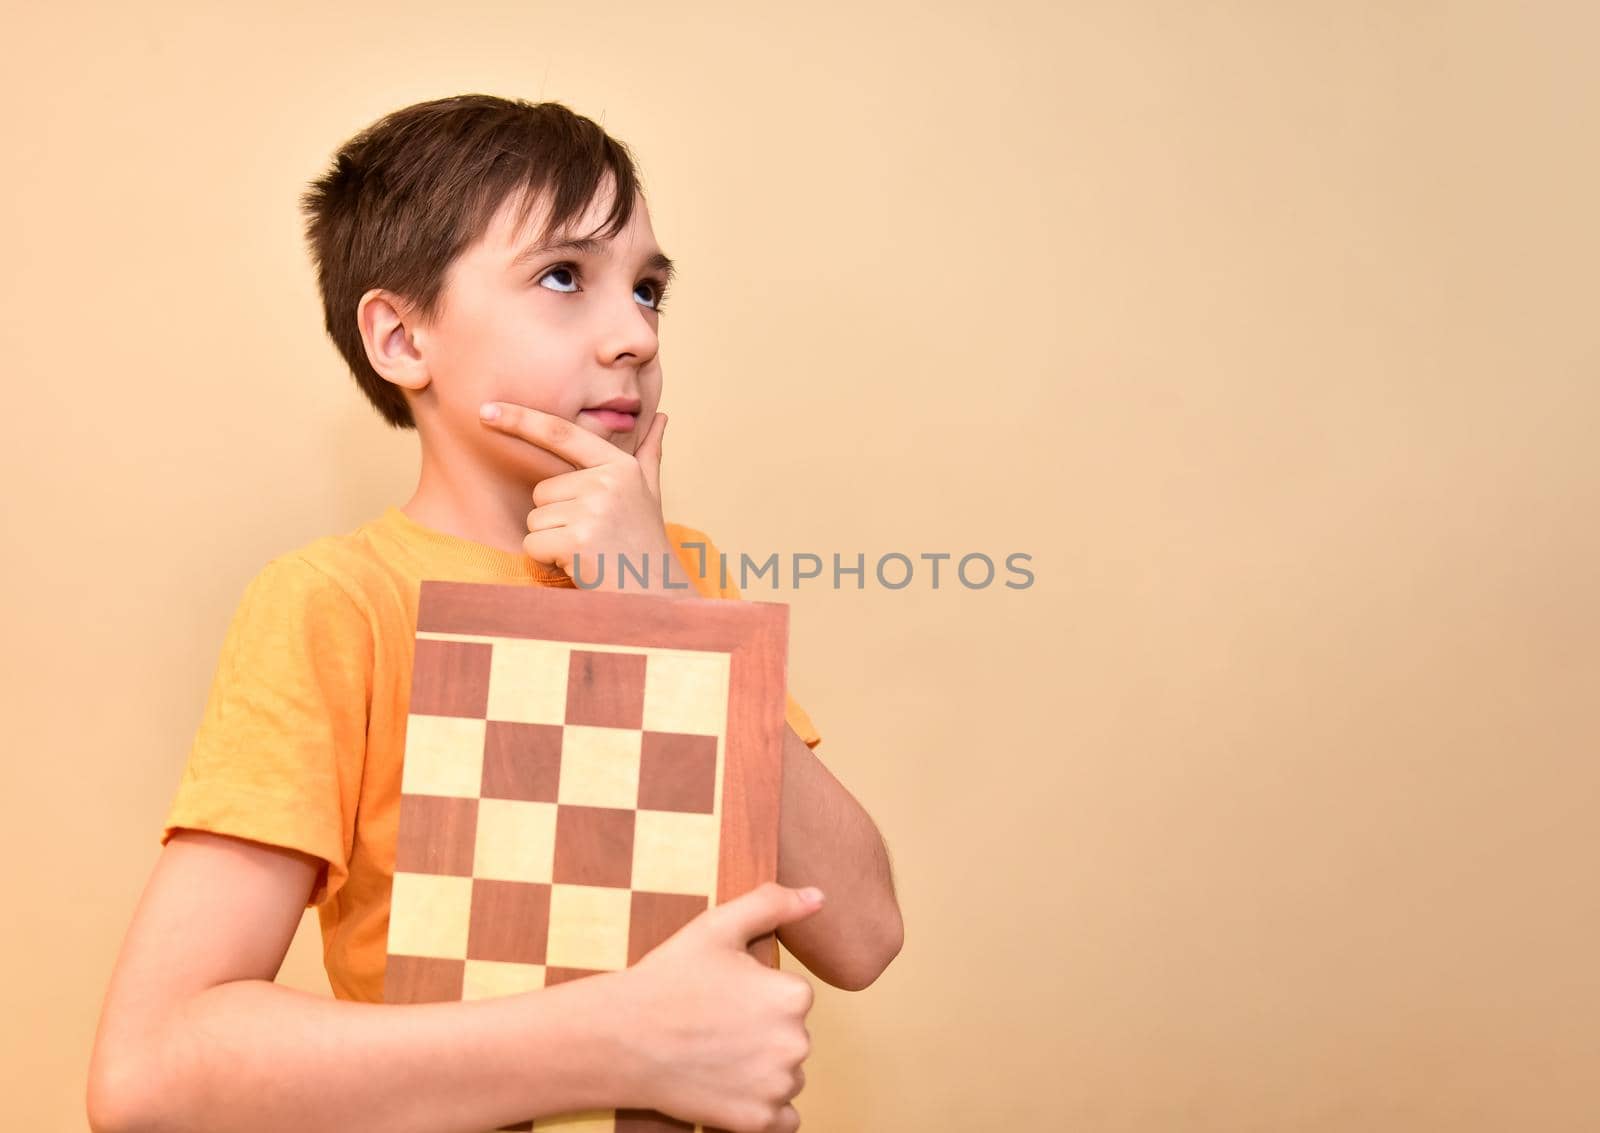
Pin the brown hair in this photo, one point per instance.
(408, 194)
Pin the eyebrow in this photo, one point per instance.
(592, 247)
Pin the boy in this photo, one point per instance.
(442, 295)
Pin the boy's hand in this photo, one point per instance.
(716, 1036)
(610, 504)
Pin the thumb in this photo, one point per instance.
(760, 911)
(648, 454)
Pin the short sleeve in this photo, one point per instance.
(278, 754)
(703, 561)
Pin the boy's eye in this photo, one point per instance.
(658, 287)
(561, 268)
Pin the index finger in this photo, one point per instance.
(578, 445)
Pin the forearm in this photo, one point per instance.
(828, 840)
(253, 1055)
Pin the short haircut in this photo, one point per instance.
(409, 193)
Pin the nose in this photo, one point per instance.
(627, 330)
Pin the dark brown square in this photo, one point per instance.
(422, 979)
(594, 846)
(510, 921)
(656, 916)
(521, 761)
(437, 835)
(553, 976)
(450, 678)
(677, 772)
(606, 689)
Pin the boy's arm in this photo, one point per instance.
(826, 839)
(195, 1035)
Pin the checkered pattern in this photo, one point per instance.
(561, 815)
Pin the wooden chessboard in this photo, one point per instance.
(585, 772)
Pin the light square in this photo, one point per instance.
(443, 756)
(490, 979)
(587, 1121)
(429, 915)
(528, 681)
(675, 852)
(599, 766)
(686, 691)
(515, 840)
(588, 927)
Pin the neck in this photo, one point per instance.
(457, 494)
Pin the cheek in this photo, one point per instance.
(650, 392)
(527, 463)
(536, 378)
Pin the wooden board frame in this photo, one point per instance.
(610, 640)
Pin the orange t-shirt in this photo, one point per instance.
(302, 736)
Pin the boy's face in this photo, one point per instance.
(561, 331)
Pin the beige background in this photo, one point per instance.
(1267, 330)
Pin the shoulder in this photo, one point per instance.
(682, 534)
(700, 558)
(336, 569)
(307, 572)
(316, 592)
(296, 646)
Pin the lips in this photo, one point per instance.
(620, 404)
(612, 419)
(618, 414)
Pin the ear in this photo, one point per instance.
(392, 339)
